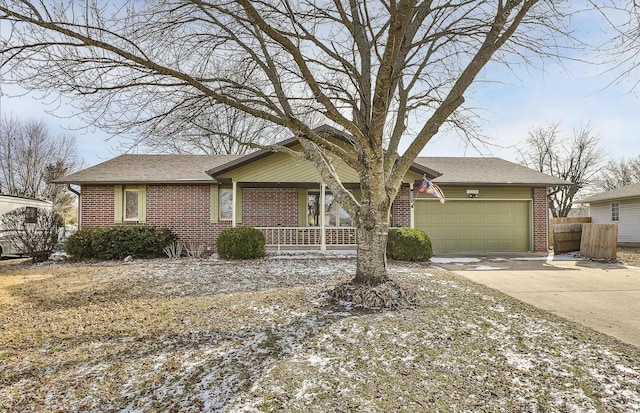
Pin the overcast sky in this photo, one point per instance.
(572, 96)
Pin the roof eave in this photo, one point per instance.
(138, 182)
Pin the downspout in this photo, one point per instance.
(79, 203)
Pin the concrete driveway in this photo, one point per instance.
(603, 296)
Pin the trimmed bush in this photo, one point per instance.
(116, 243)
(409, 244)
(241, 243)
(78, 245)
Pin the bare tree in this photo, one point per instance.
(576, 159)
(31, 158)
(618, 173)
(210, 130)
(382, 71)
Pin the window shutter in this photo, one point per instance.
(302, 207)
(238, 205)
(213, 204)
(118, 206)
(142, 203)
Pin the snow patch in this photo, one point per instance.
(453, 260)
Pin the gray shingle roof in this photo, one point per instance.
(629, 191)
(149, 169)
(486, 171)
(131, 169)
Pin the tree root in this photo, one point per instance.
(388, 295)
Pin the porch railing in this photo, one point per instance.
(280, 237)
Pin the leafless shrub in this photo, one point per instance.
(34, 231)
(173, 250)
(194, 250)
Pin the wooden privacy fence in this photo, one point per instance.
(553, 222)
(566, 237)
(599, 241)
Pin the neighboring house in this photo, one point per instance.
(619, 206)
(492, 204)
(9, 203)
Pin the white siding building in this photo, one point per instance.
(622, 207)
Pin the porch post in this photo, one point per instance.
(323, 233)
(234, 188)
(412, 216)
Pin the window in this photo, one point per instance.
(131, 205)
(226, 203)
(30, 215)
(334, 214)
(615, 211)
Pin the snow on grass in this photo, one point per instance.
(487, 268)
(453, 260)
(226, 336)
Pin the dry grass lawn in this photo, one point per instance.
(204, 335)
(629, 256)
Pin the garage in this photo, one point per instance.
(475, 225)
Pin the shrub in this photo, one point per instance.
(116, 243)
(79, 245)
(34, 231)
(241, 243)
(409, 244)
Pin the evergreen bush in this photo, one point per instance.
(78, 245)
(409, 244)
(241, 243)
(116, 243)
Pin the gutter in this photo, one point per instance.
(78, 195)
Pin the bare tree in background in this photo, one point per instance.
(576, 159)
(31, 158)
(211, 130)
(619, 173)
(390, 74)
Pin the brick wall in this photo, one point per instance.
(401, 209)
(97, 206)
(185, 209)
(270, 207)
(540, 220)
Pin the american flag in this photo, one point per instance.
(429, 187)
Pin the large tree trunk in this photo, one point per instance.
(372, 227)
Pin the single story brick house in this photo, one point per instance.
(492, 204)
(620, 206)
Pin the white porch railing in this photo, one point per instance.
(309, 236)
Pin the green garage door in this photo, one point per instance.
(475, 225)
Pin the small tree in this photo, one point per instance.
(576, 159)
(33, 230)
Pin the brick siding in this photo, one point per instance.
(97, 206)
(401, 209)
(540, 220)
(273, 207)
(185, 209)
